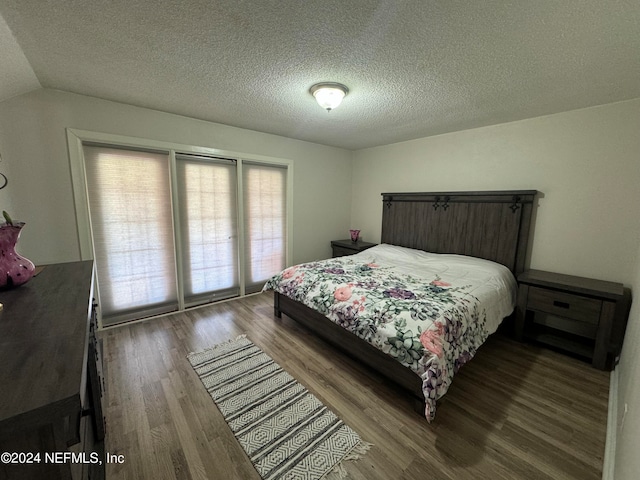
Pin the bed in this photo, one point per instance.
(419, 305)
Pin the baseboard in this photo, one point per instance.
(608, 466)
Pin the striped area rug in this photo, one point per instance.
(285, 430)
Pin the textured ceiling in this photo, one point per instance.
(16, 75)
(414, 68)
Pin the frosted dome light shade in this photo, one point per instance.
(328, 95)
(329, 98)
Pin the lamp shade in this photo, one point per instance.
(329, 94)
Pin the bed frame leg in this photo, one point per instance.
(276, 305)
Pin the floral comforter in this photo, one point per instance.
(430, 312)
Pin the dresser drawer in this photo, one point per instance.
(564, 305)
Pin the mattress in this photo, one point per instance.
(430, 312)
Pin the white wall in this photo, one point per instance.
(585, 162)
(35, 159)
(627, 460)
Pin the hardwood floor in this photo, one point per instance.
(514, 412)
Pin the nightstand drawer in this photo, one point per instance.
(565, 305)
(341, 251)
(341, 248)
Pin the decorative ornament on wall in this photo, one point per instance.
(3, 179)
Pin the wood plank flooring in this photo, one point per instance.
(514, 412)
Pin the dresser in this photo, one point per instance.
(51, 384)
(341, 248)
(584, 316)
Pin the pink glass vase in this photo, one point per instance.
(354, 235)
(14, 268)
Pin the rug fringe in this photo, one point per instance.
(338, 471)
(243, 335)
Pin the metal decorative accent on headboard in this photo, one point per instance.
(493, 225)
(444, 205)
(515, 206)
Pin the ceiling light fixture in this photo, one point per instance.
(328, 94)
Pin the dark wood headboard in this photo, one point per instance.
(490, 225)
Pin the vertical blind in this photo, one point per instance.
(265, 215)
(131, 221)
(207, 199)
(134, 236)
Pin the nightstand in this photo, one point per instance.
(583, 316)
(347, 247)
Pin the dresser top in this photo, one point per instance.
(43, 343)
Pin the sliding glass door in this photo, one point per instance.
(172, 230)
(131, 222)
(208, 227)
(265, 220)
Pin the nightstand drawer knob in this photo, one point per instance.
(561, 304)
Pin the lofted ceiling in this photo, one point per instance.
(414, 68)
